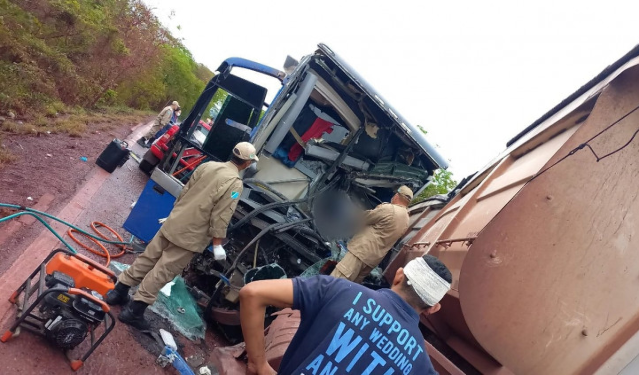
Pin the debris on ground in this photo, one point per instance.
(84, 158)
(178, 306)
(173, 357)
(175, 304)
(135, 157)
(165, 359)
(118, 267)
(168, 339)
(195, 360)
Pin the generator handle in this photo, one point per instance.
(84, 294)
(96, 265)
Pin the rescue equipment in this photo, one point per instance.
(62, 300)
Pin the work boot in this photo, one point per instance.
(133, 315)
(118, 296)
(142, 142)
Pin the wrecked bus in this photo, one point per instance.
(327, 144)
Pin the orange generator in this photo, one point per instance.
(62, 300)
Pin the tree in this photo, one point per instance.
(441, 183)
(91, 52)
(180, 78)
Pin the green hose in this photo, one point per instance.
(36, 214)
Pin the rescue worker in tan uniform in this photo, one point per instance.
(383, 227)
(201, 214)
(164, 117)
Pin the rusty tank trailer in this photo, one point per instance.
(542, 244)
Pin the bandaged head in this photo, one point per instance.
(428, 285)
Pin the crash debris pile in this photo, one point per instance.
(177, 305)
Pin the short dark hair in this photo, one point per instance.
(439, 268)
(436, 265)
(237, 160)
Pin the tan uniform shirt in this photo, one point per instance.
(164, 117)
(205, 206)
(384, 226)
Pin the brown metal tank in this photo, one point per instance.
(546, 271)
(550, 285)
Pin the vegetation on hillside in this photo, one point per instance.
(60, 55)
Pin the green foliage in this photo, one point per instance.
(109, 98)
(180, 80)
(146, 92)
(441, 183)
(203, 73)
(216, 102)
(58, 55)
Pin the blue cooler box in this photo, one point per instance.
(155, 203)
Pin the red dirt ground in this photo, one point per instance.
(52, 182)
(35, 174)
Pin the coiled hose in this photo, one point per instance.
(38, 215)
(103, 251)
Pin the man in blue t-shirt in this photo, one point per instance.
(347, 328)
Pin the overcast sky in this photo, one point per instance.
(473, 73)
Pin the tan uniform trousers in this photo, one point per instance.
(157, 266)
(351, 268)
(154, 129)
(163, 118)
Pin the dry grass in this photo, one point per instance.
(76, 122)
(18, 127)
(6, 156)
(75, 126)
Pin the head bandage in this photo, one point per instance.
(428, 285)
